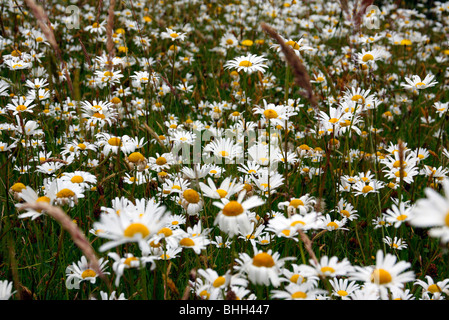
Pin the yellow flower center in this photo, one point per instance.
(402, 217)
(187, 242)
(295, 278)
(205, 295)
(357, 97)
(89, 273)
(114, 141)
(286, 232)
(191, 196)
(263, 259)
(398, 173)
(381, 276)
(332, 225)
(327, 269)
(161, 161)
(77, 179)
(17, 187)
(219, 282)
(333, 120)
(222, 193)
(245, 63)
(166, 232)
(116, 100)
(232, 209)
(342, 293)
(135, 228)
(367, 189)
(367, 57)
(294, 223)
(345, 213)
(16, 53)
(296, 203)
(136, 157)
(65, 193)
(224, 153)
(434, 288)
(293, 44)
(43, 199)
(21, 107)
(129, 260)
(270, 114)
(299, 295)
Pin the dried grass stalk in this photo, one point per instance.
(77, 235)
(44, 24)
(361, 11)
(300, 73)
(307, 245)
(109, 30)
(344, 6)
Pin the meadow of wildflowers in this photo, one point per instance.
(224, 150)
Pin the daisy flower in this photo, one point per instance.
(263, 268)
(431, 287)
(219, 242)
(398, 215)
(433, 212)
(346, 210)
(288, 227)
(329, 224)
(126, 262)
(386, 274)
(131, 226)
(96, 27)
(28, 195)
(327, 267)
(369, 56)
(19, 105)
(83, 271)
(214, 279)
(113, 144)
(112, 296)
(395, 243)
(249, 63)
(297, 46)
(342, 288)
(226, 189)
(84, 179)
(301, 205)
(362, 188)
(228, 40)
(168, 253)
(195, 238)
(6, 290)
(415, 83)
(65, 192)
(293, 291)
(223, 148)
(233, 217)
(295, 274)
(173, 35)
(191, 201)
(275, 114)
